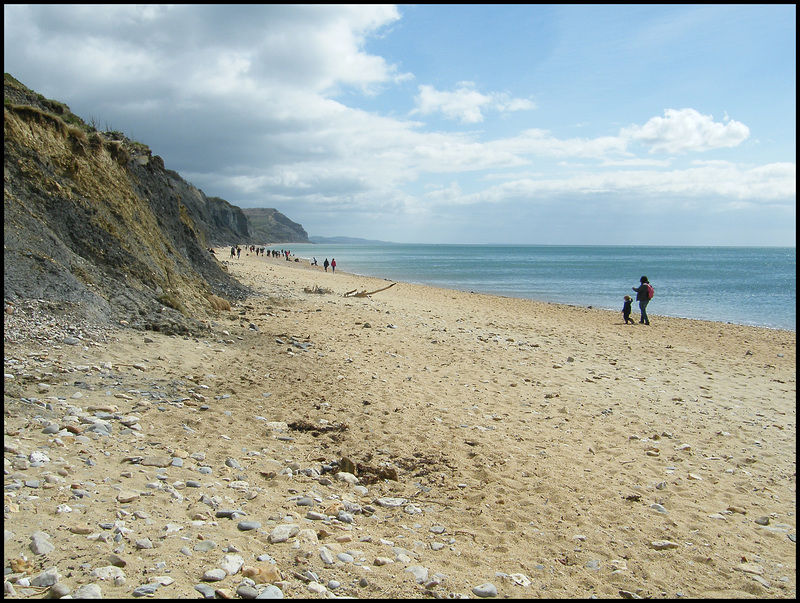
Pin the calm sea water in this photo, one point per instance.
(742, 285)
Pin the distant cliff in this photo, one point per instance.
(271, 226)
(94, 220)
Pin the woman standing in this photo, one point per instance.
(643, 297)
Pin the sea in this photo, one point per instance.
(753, 286)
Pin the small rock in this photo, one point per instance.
(245, 526)
(88, 591)
(214, 575)
(283, 532)
(661, 545)
(485, 590)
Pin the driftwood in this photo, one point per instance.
(357, 293)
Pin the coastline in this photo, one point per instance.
(595, 276)
(547, 449)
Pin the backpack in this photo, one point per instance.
(650, 291)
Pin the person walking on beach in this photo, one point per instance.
(644, 292)
(626, 310)
(325, 264)
(333, 264)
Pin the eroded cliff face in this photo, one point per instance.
(94, 220)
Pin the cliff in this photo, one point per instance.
(271, 226)
(94, 222)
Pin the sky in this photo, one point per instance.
(438, 124)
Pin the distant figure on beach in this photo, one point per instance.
(233, 251)
(626, 310)
(643, 295)
(238, 252)
(314, 262)
(325, 264)
(333, 264)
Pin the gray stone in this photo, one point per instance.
(232, 563)
(88, 591)
(146, 589)
(214, 575)
(246, 591)
(419, 572)
(205, 590)
(244, 526)
(49, 577)
(58, 591)
(283, 532)
(270, 592)
(40, 544)
(485, 590)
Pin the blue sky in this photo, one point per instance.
(527, 124)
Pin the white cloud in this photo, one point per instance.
(680, 131)
(773, 183)
(465, 103)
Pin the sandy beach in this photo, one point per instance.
(418, 442)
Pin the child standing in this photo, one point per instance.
(626, 310)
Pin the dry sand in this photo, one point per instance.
(542, 438)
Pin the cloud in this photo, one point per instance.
(465, 103)
(684, 130)
(709, 183)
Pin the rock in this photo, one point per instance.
(205, 590)
(246, 592)
(58, 591)
(270, 592)
(420, 573)
(485, 590)
(109, 572)
(661, 545)
(214, 575)
(40, 544)
(88, 591)
(245, 526)
(49, 577)
(232, 564)
(283, 532)
(126, 497)
(326, 556)
(146, 590)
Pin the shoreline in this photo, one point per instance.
(305, 264)
(419, 442)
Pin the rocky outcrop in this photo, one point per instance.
(95, 221)
(271, 226)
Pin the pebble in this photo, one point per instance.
(232, 564)
(485, 590)
(88, 591)
(146, 590)
(245, 526)
(283, 532)
(40, 544)
(214, 575)
(419, 572)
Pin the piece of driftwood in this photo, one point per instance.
(364, 293)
